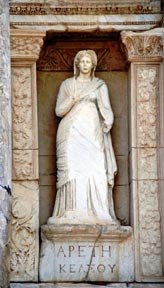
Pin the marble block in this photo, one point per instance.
(80, 253)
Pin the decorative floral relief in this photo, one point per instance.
(55, 59)
(22, 108)
(23, 165)
(142, 45)
(147, 89)
(150, 238)
(26, 45)
(24, 231)
(147, 163)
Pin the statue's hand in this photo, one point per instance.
(75, 99)
(106, 127)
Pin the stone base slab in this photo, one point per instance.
(86, 253)
(82, 285)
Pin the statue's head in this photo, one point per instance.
(79, 56)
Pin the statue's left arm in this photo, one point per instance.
(107, 116)
(105, 109)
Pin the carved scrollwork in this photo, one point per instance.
(24, 245)
(61, 59)
(23, 164)
(22, 108)
(151, 250)
(147, 87)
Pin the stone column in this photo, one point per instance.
(25, 49)
(145, 54)
(5, 142)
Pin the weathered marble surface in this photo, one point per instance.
(86, 253)
(82, 285)
(5, 143)
(86, 16)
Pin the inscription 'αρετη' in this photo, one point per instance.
(83, 251)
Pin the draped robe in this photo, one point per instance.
(85, 159)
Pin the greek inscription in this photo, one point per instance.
(91, 267)
(76, 252)
(106, 251)
(72, 268)
(101, 268)
(61, 268)
(61, 250)
(81, 251)
(71, 249)
(112, 267)
(93, 249)
(83, 268)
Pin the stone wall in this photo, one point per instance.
(146, 103)
(5, 143)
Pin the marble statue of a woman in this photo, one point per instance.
(85, 159)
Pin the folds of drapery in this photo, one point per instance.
(69, 95)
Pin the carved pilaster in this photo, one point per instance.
(145, 52)
(25, 49)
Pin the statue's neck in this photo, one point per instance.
(84, 78)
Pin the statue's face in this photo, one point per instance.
(85, 65)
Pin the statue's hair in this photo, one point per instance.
(81, 54)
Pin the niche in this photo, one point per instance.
(56, 64)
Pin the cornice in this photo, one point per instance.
(92, 7)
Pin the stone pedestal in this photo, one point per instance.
(80, 253)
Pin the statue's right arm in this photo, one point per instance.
(64, 101)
